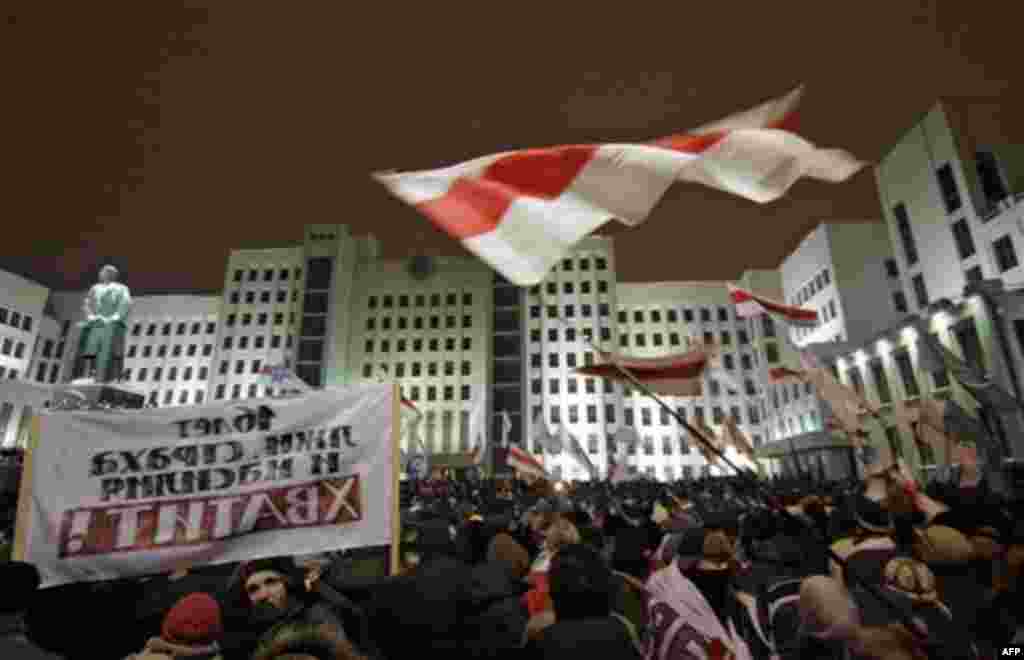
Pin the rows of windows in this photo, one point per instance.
(417, 370)
(451, 321)
(688, 315)
(811, 289)
(675, 339)
(179, 329)
(12, 374)
(570, 334)
(793, 425)
(156, 375)
(416, 345)
(404, 301)
(48, 350)
(258, 342)
(267, 274)
(175, 397)
(569, 288)
(261, 319)
(176, 350)
(46, 372)
(15, 319)
(265, 297)
(586, 311)
(647, 416)
(10, 348)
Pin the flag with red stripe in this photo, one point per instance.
(680, 374)
(749, 304)
(521, 211)
(521, 461)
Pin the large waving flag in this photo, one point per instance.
(749, 305)
(521, 211)
(680, 374)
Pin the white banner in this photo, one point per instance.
(119, 494)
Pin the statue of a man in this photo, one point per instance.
(101, 346)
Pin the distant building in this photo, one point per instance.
(662, 318)
(951, 197)
(21, 314)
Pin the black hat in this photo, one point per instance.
(19, 582)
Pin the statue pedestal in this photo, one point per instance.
(114, 395)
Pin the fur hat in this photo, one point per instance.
(283, 566)
(943, 546)
(912, 578)
(826, 609)
(195, 620)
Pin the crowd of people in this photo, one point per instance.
(724, 568)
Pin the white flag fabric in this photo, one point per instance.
(506, 427)
(114, 495)
(478, 429)
(522, 211)
(572, 444)
(551, 443)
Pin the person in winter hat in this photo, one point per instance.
(275, 594)
(19, 584)
(191, 629)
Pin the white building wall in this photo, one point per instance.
(658, 319)
(576, 301)
(21, 312)
(47, 359)
(257, 319)
(432, 335)
(170, 346)
(908, 176)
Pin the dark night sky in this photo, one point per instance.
(163, 136)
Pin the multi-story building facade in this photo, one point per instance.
(567, 316)
(337, 313)
(426, 323)
(886, 369)
(658, 319)
(951, 198)
(170, 346)
(21, 314)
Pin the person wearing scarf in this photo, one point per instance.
(274, 593)
(558, 535)
(695, 611)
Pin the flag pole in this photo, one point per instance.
(830, 553)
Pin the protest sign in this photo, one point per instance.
(118, 494)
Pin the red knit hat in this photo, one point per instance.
(194, 620)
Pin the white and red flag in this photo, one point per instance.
(749, 305)
(680, 374)
(520, 460)
(521, 211)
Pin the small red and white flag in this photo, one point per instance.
(749, 305)
(521, 461)
(521, 211)
(785, 375)
(680, 374)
